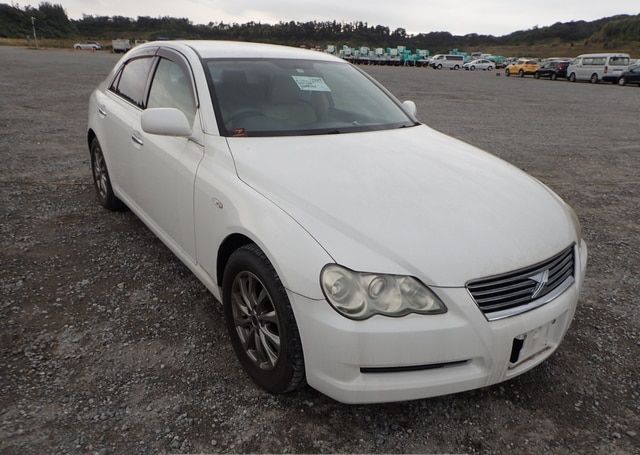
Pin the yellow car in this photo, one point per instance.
(522, 67)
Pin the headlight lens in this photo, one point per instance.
(358, 295)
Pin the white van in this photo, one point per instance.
(447, 61)
(598, 67)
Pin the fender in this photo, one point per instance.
(224, 206)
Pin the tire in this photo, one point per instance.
(101, 179)
(622, 81)
(521, 73)
(594, 78)
(490, 68)
(507, 72)
(77, 48)
(572, 77)
(277, 368)
(439, 66)
(472, 68)
(457, 67)
(554, 76)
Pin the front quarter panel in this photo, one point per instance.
(224, 205)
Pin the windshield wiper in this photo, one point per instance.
(409, 126)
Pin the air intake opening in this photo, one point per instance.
(516, 347)
(430, 366)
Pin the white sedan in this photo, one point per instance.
(481, 64)
(351, 246)
(88, 46)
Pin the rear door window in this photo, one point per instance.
(619, 61)
(132, 81)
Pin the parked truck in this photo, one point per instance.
(120, 45)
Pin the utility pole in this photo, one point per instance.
(33, 25)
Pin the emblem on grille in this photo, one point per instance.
(541, 278)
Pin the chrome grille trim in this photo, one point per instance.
(522, 290)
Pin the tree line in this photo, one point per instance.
(53, 22)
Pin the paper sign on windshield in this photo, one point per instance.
(311, 83)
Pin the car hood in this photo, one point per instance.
(408, 201)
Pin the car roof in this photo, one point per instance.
(610, 54)
(236, 49)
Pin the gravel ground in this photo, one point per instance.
(109, 345)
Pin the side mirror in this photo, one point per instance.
(165, 121)
(410, 106)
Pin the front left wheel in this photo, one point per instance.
(260, 322)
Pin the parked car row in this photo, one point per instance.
(613, 67)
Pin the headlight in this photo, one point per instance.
(358, 295)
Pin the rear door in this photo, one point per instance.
(634, 75)
(164, 167)
(121, 112)
(616, 65)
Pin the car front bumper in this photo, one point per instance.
(456, 351)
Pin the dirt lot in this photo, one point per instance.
(108, 344)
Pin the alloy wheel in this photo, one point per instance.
(256, 320)
(100, 173)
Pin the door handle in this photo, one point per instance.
(102, 111)
(137, 140)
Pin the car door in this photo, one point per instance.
(120, 110)
(616, 65)
(584, 68)
(164, 167)
(544, 69)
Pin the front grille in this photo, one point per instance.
(515, 292)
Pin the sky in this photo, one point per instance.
(495, 17)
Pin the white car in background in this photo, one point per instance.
(447, 61)
(480, 64)
(598, 67)
(351, 246)
(87, 46)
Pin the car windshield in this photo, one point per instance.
(284, 97)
